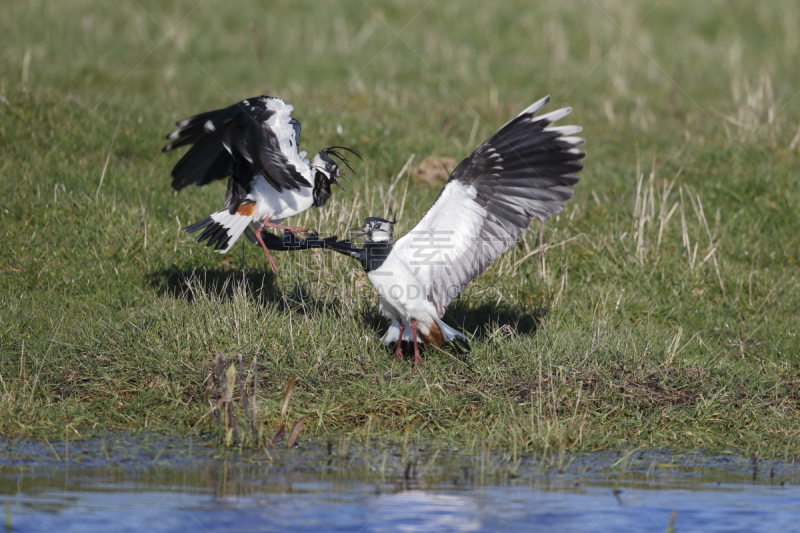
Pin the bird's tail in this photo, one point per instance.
(456, 339)
(221, 229)
(449, 335)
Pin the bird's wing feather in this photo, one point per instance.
(524, 170)
(289, 242)
(278, 155)
(255, 136)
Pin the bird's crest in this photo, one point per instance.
(336, 151)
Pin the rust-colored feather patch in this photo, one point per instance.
(434, 336)
(246, 209)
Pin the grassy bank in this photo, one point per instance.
(659, 308)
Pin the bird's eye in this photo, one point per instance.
(328, 168)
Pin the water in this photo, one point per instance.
(153, 484)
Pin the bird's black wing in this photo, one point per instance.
(241, 142)
(522, 171)
(289, 242)
(346, 248)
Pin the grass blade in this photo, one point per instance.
(295, 432)
(287, 394)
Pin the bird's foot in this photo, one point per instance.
(271, 262)
(270, 259)
(417, 358)
(294, 229)
(299, 231)
(398, 353)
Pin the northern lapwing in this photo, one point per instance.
(255, 145)
(523, 171)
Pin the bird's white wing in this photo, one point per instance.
(524, 170)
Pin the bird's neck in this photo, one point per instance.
(322, 189)
(374, 254)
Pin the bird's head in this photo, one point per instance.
(326, 172)
(376, 229)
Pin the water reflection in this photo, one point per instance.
(153, 485)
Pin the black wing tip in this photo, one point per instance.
(177, 183)
(534, 108)
(461, 344)
(173, 137)
(191, 228)
(216, 234)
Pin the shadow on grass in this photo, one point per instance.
(479, 323)
(183, 283)
(223, 284)
(485, 321)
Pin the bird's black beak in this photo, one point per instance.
(340, 175)
(361, 232)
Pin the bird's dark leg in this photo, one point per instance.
(293, 229)
(417, 358)
(266, 252)
(398, 352)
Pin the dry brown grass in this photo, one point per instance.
(433, 171)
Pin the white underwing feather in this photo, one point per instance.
(535, 107)
(565, 130)
(553, 116)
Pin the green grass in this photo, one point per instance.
(637, 325)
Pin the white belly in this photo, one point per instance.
(278, 205)
(402, 297)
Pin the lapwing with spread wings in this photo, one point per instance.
(524, 171)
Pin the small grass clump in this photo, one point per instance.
(238, 423)
(658, 309)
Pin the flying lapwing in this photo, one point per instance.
(255, 145)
